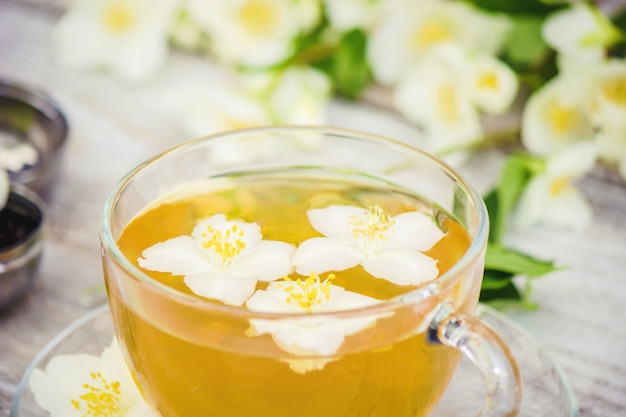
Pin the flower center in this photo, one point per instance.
(615, 90)
(258, 17)
(101, 398)
(370, 228)
(118, 16)
(431, 33)
(223, 244)
(447, 104)
(562, 119)
(308, 293)
(559, 185)
(488, 80)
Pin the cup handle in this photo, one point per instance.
(487, 352)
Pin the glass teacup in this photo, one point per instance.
(301, 271)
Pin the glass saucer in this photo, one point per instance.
(546, 393)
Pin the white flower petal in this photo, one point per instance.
(267, 260)
(573, 161)
(402, 267)
(569, 211)
(566, 29)
(114, 368)
(494, 85)
(334, 221)
(222, 285)
(179, 256)
(321, 254)
(557, 115)
(414, 230)
(62, 381)
(320, 340)
(250, 232)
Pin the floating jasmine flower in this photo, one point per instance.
(4, 187)
(308, 335)
(254, 32)
(388, 247)
(437, 96)
(416, 27)
(551, 198)
(558, 114)
(222, 259)
(493, 84)
(125, 37)
(80, 385)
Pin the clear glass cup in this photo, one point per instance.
(196, 356)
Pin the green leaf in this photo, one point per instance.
(347, 66)
(516, 7)
(525, 46)
(512, 261)
(500, 201)
(495, 280)
(508, 292)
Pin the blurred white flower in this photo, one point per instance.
(410, 28)
(84, 385)
(551, 197)
(579, 33)
(125, 37)
(436, 94)
(388, 247)
(296, 95)
(493, 86)
(558, 114)
(609, 108)
(254, 32)
(350, 14)
(5, 187)
(222, 259)
(609, 114)
(222, 108)
(308, 335)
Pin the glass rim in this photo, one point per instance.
(417, 295)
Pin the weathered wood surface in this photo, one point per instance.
(582, 311)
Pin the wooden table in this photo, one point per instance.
(582, 312)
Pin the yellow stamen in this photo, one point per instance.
(118, 16)
(562, 119)
(227, 244)
(258, 17)
(447, 104)
(309, 292)
(430, 33)
(101, 398)
(559, 185)
(371, 226)
(488, 80)
(614, 90)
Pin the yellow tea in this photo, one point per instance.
(190, 360)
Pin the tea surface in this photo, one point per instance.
(203, 364)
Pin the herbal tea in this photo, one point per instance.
(293, 243)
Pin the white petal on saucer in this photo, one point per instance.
(222, 285)
(321, 254)
(402, 267)
(180, 256)
(62, 380)
(414, 230)
(114, 368)
(267, 260)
